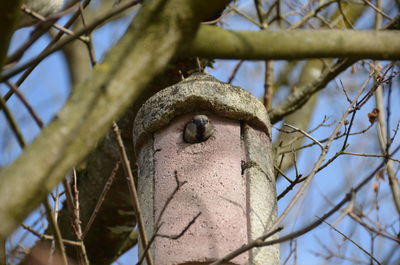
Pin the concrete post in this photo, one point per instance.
(226, 195)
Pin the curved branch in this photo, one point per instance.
(214, 42)
(301, 96)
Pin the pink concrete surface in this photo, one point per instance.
(215, 188)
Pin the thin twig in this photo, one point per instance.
(56, 231)
(102, 197)
(59, 27)
(13, 124)
(320, 160)
(384, 142)
(345, 19)
(310, 15)
(268, 84)
(75, 222)
(283, 174)
(352, 241)
(324, 140)
(245, 248)
(234, 72)
(25, 102)
(295, 129)
(377, 9)
(260, 11)
(369, 155)
(269, 11)
(200, 68)
(278, 11)
(344, 91)
(48, 237)
(33, 65)
(52, 47)
(13, 250)
(372, 229)
(297, 180)
(237, 11)
(348, 197)
(77, 218)
(89, 43)
(153, 237)
(132, 189)
(298, 98)
(18, 53)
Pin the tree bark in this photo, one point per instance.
(159, 31)
(215, 42)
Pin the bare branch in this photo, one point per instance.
(56, 231)
(132, 190)
(352, 241)
(215, 42)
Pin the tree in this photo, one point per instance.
(159, 47)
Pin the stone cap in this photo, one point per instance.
(197, 93)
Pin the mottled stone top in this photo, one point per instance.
(199, 92)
